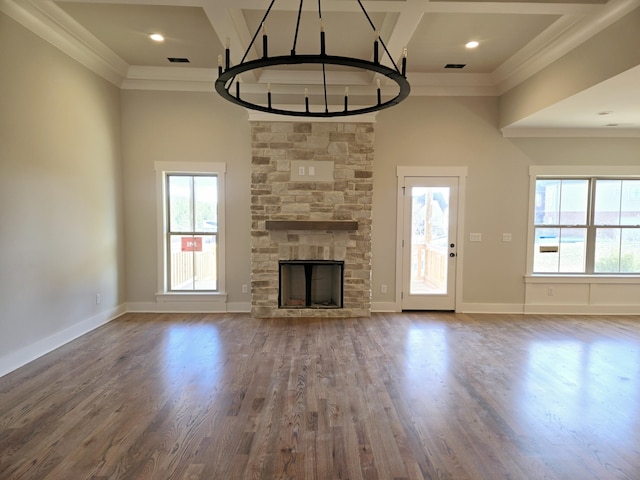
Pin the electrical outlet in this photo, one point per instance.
(550, 292)
(383, 288)
(98, 299)
(506, 237)
(301, 171)
(245, 288)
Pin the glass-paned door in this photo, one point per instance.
(429, 237)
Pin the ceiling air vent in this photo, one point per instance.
(455, 65)
(178, 60)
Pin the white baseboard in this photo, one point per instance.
(463, 308)
(22, 356)
(384, 307)
(511, 308)
(583, 309)
(178, 307)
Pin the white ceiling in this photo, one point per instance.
(517, 39)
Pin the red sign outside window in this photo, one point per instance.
(191, 244)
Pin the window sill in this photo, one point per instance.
(191, 297)
(564, 278)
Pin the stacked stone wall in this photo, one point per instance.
(345, 197)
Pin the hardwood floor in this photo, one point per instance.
(396, 396)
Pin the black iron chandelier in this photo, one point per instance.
(229, 86)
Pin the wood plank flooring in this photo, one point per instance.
(392, 397)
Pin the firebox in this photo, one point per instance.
(311, 284)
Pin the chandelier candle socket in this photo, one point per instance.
(265, 53)
(264, 65)
(376, 53)
(404, 62)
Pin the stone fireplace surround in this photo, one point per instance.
(331, 218)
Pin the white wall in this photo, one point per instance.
(60, 198)
(423, 131)
(189, 127)
(462, 131)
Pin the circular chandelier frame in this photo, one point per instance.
(228, 74)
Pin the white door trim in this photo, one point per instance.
(402, 173)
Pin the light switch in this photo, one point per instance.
(312, 171)
(475, 237)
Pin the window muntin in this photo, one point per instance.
(587, 226)
(192, 230)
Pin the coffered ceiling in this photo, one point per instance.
(516, 41)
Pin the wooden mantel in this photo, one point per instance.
(310, 225)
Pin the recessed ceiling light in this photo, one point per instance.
(472, 44)
(156, 37)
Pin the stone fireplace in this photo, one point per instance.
(311, 199)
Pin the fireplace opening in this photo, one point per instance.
(311, 284)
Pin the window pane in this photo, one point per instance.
(429, 240)
(546, 250)
(206, 264)
(206, 203)
(630, 250)
(617, 202)
(573, 250)
(180, 211)
(630, 202)
(617, 250)
(193, 262)
(181, 262)
(573, 202)
(561, 202)
(559, 250)
(547, 202)
(607, 202)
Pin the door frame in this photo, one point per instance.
(402, 173)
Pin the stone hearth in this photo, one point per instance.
(331, 211)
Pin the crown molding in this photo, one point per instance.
(184, 79)
(53, 25)
(567, 35)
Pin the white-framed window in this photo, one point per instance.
(190, 199)
(584, 221)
